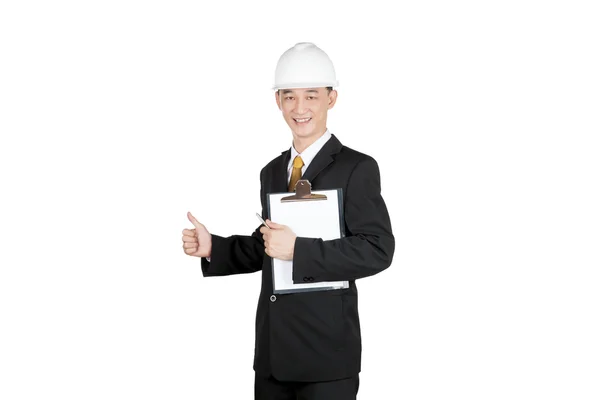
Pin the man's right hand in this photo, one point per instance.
(197, 242)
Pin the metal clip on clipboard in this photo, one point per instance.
(303, 193)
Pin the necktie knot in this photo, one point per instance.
(298, 163)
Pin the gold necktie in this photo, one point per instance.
(296, 173)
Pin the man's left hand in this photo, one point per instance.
(279, 241)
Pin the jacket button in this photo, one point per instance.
(273, 298)
(311, 279)
(305, 279)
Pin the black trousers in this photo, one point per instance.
(268, 388)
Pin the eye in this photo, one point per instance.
(289, 98)
(311, 97)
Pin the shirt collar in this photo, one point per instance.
(311, 151)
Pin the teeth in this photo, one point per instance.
(301, 120)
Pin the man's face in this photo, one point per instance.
(305, 110)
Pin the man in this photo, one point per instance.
(308, 345)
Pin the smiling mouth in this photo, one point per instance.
(302, 120)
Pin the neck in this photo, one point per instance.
(301, 144)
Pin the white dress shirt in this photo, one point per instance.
(308, 154)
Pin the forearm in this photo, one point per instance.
(235, 254)
(343, 259)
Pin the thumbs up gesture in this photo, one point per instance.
(197, 242)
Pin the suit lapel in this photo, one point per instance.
(280, 183)
(324, 157)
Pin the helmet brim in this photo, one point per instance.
(305, 85)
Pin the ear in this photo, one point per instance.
(277, 99)
(332, 99)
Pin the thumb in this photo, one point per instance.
(194, 221)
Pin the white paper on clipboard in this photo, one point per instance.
(314, 219)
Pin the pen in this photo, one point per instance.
(262, 220)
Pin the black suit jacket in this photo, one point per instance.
(314, 336)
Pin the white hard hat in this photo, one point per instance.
(304, 66)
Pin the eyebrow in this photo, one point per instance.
(307, 91)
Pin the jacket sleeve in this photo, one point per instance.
(236, 254)
(369, 247)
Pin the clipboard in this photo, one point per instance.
(318, 214)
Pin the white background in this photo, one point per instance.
(117, 117)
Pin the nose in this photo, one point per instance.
(300, 106)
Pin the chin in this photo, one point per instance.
(302, 131)
(304, 134)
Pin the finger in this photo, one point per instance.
(194, 221)
(189, 232)
(190, 239)
(190, 251)
(190, 245)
